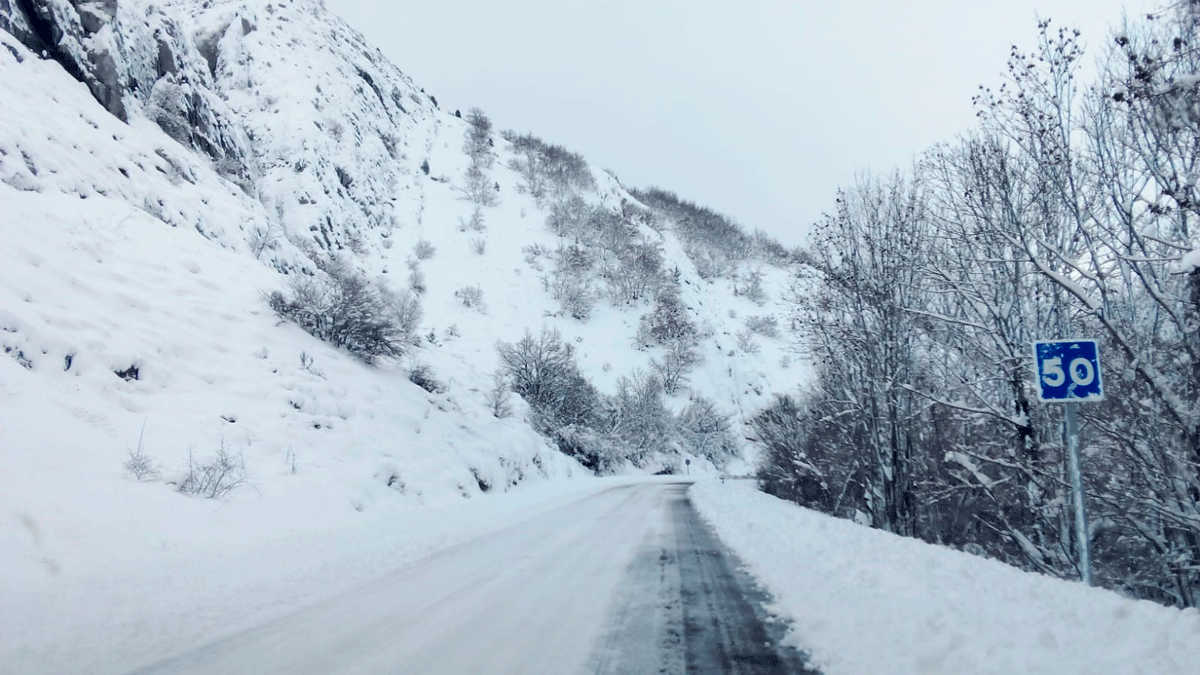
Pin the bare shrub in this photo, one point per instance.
(424, 250)
(746, 343)
(710, 264)
(471, 297)
(478, 141)
(479, 188)
(479, 245)
(568, 216)
(416, 281)
(533, 252)
(571, 290)
(499, 396)
(216, 476)
(262, 238)
(711, 239)
(475, 223)
(674, 367)
(140, 465)
(543, 165)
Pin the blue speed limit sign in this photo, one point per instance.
(1068, 370)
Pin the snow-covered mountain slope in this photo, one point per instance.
(248, 144)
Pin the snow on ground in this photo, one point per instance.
(214, 576)
(96, 565)
(865, 602)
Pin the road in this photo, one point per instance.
(626, 581)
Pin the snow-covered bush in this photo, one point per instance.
(640, 417)
(766, 326)
(786, 469)
(543, 371)
(543, 165)
(569, 282)
(712, 240)
(668, 322)
(638, 273)
(422, 375)
(597, 451)
(705, 431)
(710, 264)
(478, 143)
(344, 310)
(751, 287)
(405, 307)
(568, 216)
(574, 295)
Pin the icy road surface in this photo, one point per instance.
(625, 581)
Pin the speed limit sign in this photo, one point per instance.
(1068, 370)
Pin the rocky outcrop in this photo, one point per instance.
(135, 57)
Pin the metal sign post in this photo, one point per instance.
(1080, 381)
(1081, 532)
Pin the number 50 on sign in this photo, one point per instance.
(1068, 370)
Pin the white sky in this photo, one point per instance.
(759, 109)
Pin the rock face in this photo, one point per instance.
(134, 55)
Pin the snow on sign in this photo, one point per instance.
(1068, 370)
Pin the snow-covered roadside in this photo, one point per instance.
(108, 616)
(866, 602)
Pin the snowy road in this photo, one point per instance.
(626, 581)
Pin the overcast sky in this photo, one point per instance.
(759, 109)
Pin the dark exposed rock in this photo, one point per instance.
(12, 20)
(166, 59)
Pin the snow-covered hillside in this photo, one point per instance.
(168, 165)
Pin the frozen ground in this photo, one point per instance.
(865, 602)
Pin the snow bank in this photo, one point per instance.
(865, 602)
